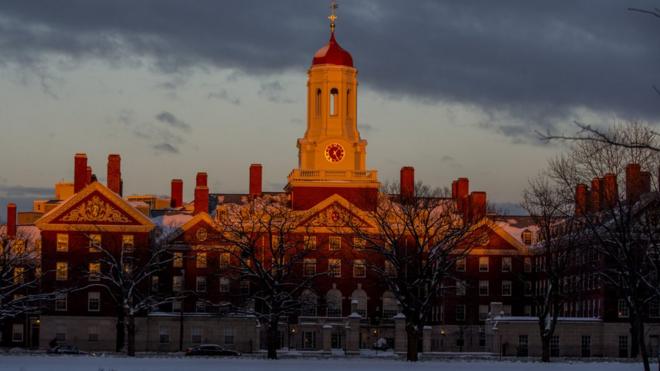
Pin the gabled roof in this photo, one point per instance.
(95, 208)
(199, 218)
(335, 204)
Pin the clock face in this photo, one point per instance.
(334, 152)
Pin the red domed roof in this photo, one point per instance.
(332, 53)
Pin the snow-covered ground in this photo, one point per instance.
(84, 363)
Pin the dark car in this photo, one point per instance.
(65, 349)
(210, 350)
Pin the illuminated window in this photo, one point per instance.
(61, 271)
(94, 242)
(224, 260)
(334, 268)
(200, 260)
(94, 271)
(177, 260)
(62, 242)
(359, 269)
(483, 264)
(506, 264)
(19, 275)
(389, 269)
(527, 237)
(334, 243)
(128, 242)
(359, 243)
(460, 265)
(309, 267)
(333, 101)
(94, 301)
(310, 242)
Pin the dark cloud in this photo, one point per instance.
(165, 147)
(171, 120)
(224, 95)
(533, 64)
(273, 91)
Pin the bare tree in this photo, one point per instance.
(19, 276)
(618, 229)
(634, 135)
(125, 272)
(557, 240)
(417, 240)
(266, 238)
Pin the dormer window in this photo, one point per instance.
(333, 101)
(527, 237)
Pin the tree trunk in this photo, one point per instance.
(119, 343)
(634, 340)
(413, 340)
(131, 335)
(642, 345)
(545, 345)
(271, 338)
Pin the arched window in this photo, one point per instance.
(390, 305)
(359, 301)
(333, 101)
(317, 103)
(348, 103)
(308, 301)
(333, 300)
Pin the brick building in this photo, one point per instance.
(347, 309)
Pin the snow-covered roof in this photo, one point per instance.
(28, 232)
(516, 225)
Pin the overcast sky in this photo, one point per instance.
(454, 88)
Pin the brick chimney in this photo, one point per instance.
(11, 220)
(176, 199)
(114, 173)
(462, 191)
(581, 195)
(476, 209)
(255, 180)
(610, 191)
(201, 194)
(596, 195)
(454, 189)
(79, 172)
(633, 183)
(407, 182)
(89, 174)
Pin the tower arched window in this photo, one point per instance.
(348, 103)
(317, 103)
(334, 93)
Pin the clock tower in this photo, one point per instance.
(332, 155)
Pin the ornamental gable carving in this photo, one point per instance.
(335, 215)
(95, 210)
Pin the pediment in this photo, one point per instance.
(336, 212)
(493, 240)
(95, 208)
(199, 229)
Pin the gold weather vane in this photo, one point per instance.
(333, 16)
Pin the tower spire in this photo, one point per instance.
(333, 15)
